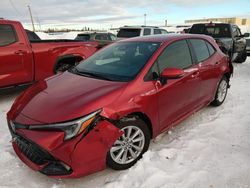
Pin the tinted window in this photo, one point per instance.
(147, 32)
(127, 33)
(239, 32)
(176, 55)
(102, 37)
(214, 30)
(7, 35)
(157, 31)
(163, 31)
(120, 61)
(113, 37)
(210, 48)
(83, 37)
(234, 31)
(200, 49)
(32, 36)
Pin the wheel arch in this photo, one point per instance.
(144, 118)
(227, 75)
(69, 58)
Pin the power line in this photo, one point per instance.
(14, 7)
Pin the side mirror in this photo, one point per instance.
(172, 73)
(246, 35)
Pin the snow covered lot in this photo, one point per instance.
(211, 149)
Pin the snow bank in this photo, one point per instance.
(64, 35)
(211, 149)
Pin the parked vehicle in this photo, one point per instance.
(136, 31)
(106, 110)
(24, 61)
(102, 38)
(247, 37)
(228, 37)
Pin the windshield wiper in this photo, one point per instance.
(89, 74)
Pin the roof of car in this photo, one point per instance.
(92, 33)
(213, 23)
(138, 27)
(165, 38)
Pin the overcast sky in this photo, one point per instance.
(114, 13)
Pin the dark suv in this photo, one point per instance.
(102, 38)
(227, 36)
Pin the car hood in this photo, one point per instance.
(63, 98)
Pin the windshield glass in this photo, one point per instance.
(120, 61)
(127, 33)
(214, 30)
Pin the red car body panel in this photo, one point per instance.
(69, 96)
(88, 156)
(24, 62)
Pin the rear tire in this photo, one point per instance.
(129, 148)
(221, 92)
(242, 57)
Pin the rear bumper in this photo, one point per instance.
(65, 159)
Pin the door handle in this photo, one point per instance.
(195, 74)
(20, 52)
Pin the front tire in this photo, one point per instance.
(129, 148)
(221, 92)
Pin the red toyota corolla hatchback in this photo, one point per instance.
(106, 109)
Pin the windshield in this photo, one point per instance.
(214, 30)
(120, 61)
(127, 33)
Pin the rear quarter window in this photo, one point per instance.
(7, 35)
(210, 48)
(200, 49)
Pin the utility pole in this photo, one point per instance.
(31, 19)
(145, 17)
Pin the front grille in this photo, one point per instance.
(32, 151)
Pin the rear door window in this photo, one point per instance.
(200, 49)
(147, 31)
(102, 37)
(127, 33)
(7, 35)
(176, 55)
(210, 49)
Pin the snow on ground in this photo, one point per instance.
(63, 35)
(211, 149)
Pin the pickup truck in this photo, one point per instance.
(25, 59)
(227, 36)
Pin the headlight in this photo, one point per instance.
(71, 128)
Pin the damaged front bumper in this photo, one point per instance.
(48, 153)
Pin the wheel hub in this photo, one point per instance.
(129, 146)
